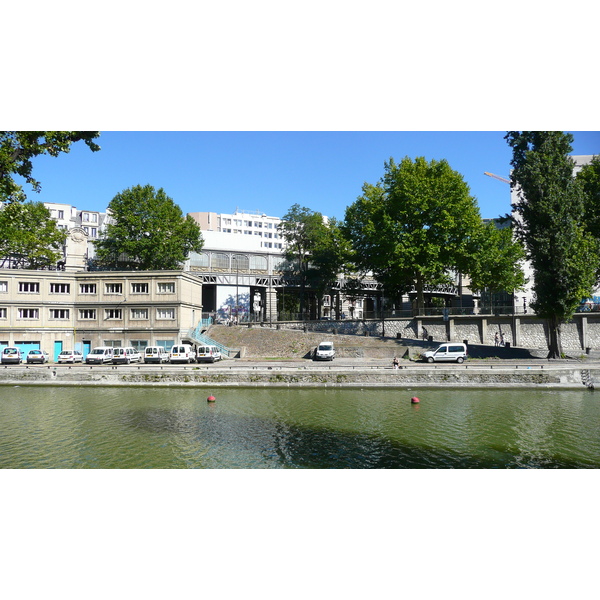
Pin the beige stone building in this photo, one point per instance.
(57, 310)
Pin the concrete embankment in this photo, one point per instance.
(307, 374)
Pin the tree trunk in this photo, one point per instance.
(554, 341)
(420, 295)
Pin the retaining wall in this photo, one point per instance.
(524, 331)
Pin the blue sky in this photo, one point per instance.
(271, 171)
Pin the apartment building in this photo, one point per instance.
(55, 310)
(250, 227)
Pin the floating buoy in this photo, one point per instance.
(211, 399)
(414, 400)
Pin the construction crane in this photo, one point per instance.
(496, 177)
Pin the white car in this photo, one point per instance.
(126, 355)
(324, 351)
(37, 356)
(69, 356)
(182, 353)
(447, 353)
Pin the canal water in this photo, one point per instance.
(281, 428)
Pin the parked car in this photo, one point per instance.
(99, 355)
(37, 356)
(155, 354)
(125, 355)
(447, 353)
(11, 355)
(208, 354)
(69, 356)
(182, 353)
(324, 351)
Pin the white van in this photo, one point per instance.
(324, 351)
(155, 354)
(125, 355)
(99, 356)
(449, 352)
(208, 353)
(11, 354)
(182, 353)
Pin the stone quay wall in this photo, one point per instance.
(522, 331)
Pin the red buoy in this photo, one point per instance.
(211, 399)
(414, 400)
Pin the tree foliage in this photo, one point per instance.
(147, 232)
(29, 238)
(18, 148)
(549, 219)
(417, 223)
(316, 249)
(497, 265)
(589, 179)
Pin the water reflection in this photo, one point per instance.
(282, 428)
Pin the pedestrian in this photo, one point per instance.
(395, 362)
(502, 340)
(496, 339)
(424, 334)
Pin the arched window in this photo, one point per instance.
(199, 259)
(220, 261)
(258, 262)
(239, 262)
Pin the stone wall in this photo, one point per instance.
(524, 331)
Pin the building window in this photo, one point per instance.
(87, 288)
(61, 214)
(60, 288)
(258, 262)
(29, 313)
(87, 313)
(113, 313)
(139, 288)
(220, 261)
(112, 343)
(3, 313)
(114, 288)
(139, 345)
(139, 313)
(165, 313)
(59, 313)
(29, 287)
(3, 286)
(166, 287)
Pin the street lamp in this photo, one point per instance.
(237, 275)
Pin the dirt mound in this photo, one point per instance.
(266, 342)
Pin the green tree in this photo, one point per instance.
(147, 232)
(418, 222)
(18, 148)
(497, 265)
(316, 250)
(589, 178)
(549, 219)
(29, 238)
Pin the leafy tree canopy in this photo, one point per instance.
(316, 249)
(589, 178)
(147, 232)
(29, 238)
(18, 148)
(417, 223)
(549, 219)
